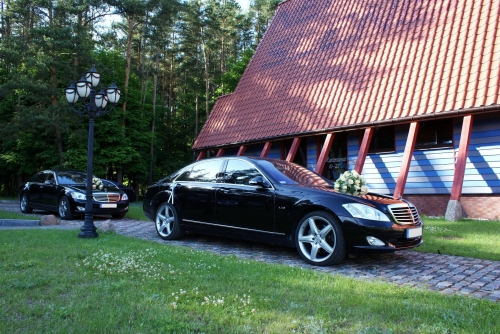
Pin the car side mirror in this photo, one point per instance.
(259, 181)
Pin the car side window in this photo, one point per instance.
(206, 171)
(240, 172)
(183, 177)
(50, 177)
(38, 178)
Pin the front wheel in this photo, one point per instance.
(167, 222)
(25, 204)
(319, 239)
(64, 209)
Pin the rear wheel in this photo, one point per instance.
(319, 239)
(167, 222)
(64, 209)
(25, 204)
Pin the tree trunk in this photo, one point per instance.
(151, 149)
(205, 60)
(53, 80)
(131, 19)
(196, 116)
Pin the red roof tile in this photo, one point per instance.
(329, 64)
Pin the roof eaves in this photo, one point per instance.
(402, 120)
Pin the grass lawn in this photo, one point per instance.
(470, 238)
(52, 281)
(14, 215)
(135, 212)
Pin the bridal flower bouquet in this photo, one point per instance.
(96, 183)
(351, 183)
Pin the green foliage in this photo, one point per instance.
(230, 79)
(182, 55)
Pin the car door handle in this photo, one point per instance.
(225, 190)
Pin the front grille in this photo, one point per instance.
(106, 197)
(404, 214)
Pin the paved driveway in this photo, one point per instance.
(447, 274)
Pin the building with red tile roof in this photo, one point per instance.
(404, 91)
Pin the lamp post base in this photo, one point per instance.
(88, 229)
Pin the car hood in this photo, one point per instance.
(370, 198)
(83, 189)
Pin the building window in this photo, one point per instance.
(301, 154)
(382, 140)
(336, 163)
(433, 134)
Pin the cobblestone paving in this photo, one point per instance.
(447, 274)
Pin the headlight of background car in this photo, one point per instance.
(78, 196)
(124, 197)
(358, 210)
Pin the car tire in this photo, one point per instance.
(64, 209)
(167, 222)
(118, 215)
(319, 239)
(25, 204)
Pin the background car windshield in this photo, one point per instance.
(110, 184)
(71, 177)
(289, 173)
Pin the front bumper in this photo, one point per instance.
(99, 208)
(392, 235)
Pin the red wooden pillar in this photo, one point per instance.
(201, 155)
(242, 150)
(266, 149)
(458, 176)
(320, 164)
(293, 149)
(220, 152)
(405, 164)
(363, 150)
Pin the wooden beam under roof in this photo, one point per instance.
(324, 153)
(405, 164)
(458, 176)
(363, 150)
(293, 149)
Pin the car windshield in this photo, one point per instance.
(71, 177)
(288, 173)
(109, 184)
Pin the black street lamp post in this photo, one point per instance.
(94, 105)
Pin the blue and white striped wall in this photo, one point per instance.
(431, 171)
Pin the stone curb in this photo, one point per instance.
(19, 222)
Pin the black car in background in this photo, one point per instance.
(132, 196)
(63, 191)
(279, 202)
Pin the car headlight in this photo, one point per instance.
(78, 196)
(124, 197)
(359, 210)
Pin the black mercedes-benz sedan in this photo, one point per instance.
(63, 191)
(278, 202)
